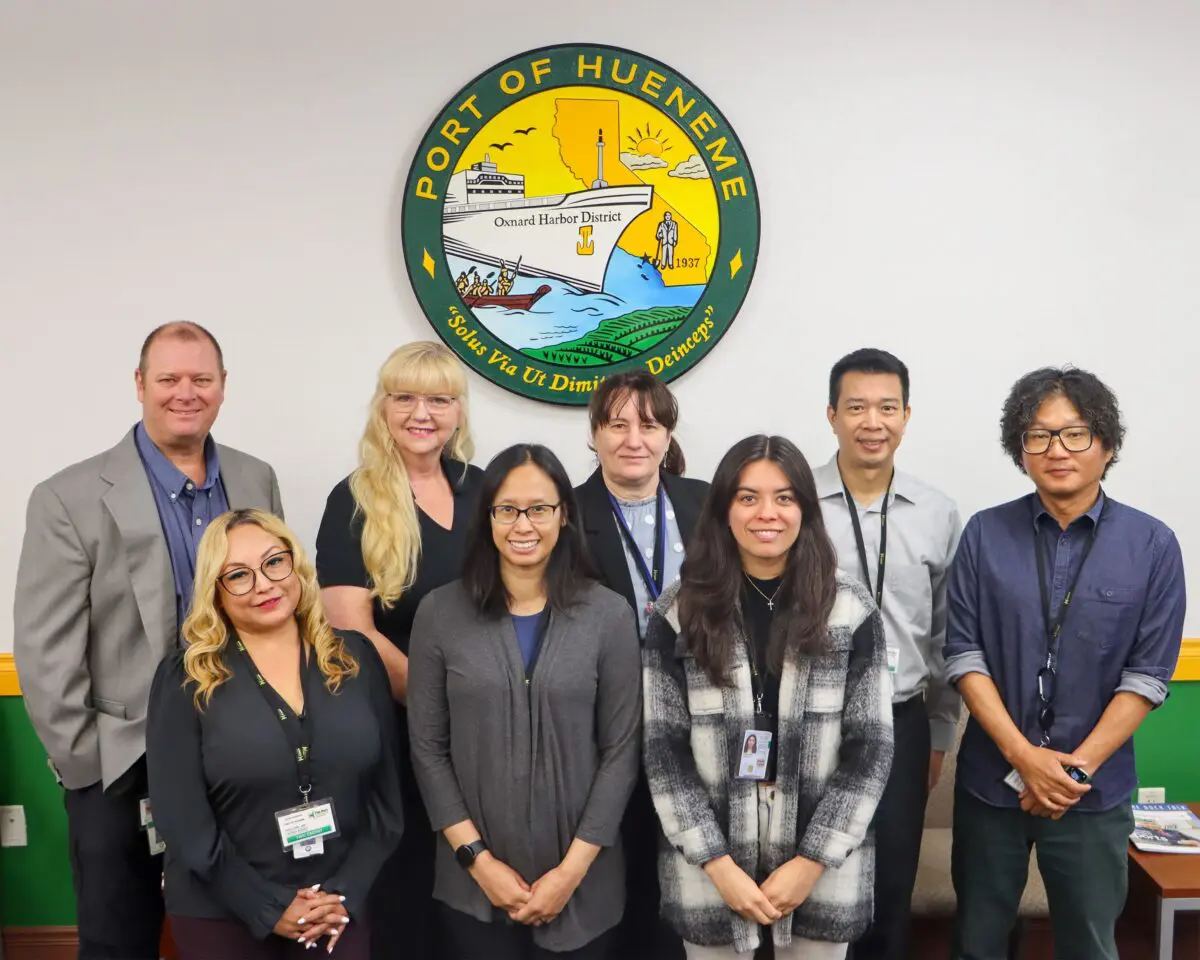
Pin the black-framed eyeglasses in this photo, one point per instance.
(240, 580)
(1046, 680)
(1073, 439)
(506, 514)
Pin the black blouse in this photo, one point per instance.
(218, 776)
(339, 549)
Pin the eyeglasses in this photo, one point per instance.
(437, 403)
(506, 514)
(1073, 439)
(240, 580)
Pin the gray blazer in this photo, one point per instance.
(534, 767)
(94, 611)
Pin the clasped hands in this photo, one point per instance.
(1049, 792)
(781, 893)
(314, 914)
(534, 904)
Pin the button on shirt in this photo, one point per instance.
(1122, 631)
(184, 510)
(923, 532)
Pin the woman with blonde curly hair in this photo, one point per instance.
(392, 531)
(271, 752)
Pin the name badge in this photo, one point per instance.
(1014, 780)
(309, 821)
(893, 660)
(146, 822)
(756, 750)
(312, 847)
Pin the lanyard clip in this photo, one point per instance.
(305, 791)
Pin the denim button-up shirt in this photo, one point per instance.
(1122, 631)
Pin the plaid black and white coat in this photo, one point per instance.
(834, 754)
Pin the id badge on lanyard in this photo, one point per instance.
(755, 757)
(652, 576)
(303, 829)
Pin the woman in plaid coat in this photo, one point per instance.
(761, 638)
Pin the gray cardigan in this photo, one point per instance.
(533, 767)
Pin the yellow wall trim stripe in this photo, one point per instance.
(1188, 668)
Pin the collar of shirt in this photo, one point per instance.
(166, 474)
(1040, 513)
(829, 483)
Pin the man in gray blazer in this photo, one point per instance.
(104, 581)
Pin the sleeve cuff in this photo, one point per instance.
(941, 735)
(830, 848)
(959, 665)
(1149, 688)
(701, 844)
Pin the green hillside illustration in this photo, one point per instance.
(614, 340)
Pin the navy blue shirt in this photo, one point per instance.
(1122, 632)
(527, 634)
(184, 510)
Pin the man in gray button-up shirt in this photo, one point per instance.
(918, 529)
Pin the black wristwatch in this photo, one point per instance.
(466, 854)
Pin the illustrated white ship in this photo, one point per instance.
(487, 218)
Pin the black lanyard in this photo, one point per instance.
(294, 727)
(1047, 678)
(862, 544)
(1054, 628)
(652, 578)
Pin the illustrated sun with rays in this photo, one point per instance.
(649, 144)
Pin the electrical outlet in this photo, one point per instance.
(12, 827)
(1152, 795)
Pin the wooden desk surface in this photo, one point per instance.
(1174, 874)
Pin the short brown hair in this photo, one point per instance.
(181, 330)
(653, 401)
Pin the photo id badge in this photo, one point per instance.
(1014, 780)
(309, 821)
(756, 750)
(145, 813)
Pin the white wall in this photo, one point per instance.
(982, 188)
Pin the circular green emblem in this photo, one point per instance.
(576, 211)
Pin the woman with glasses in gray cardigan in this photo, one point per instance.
(525, 723)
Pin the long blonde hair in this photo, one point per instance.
(206, 630)
(391, 536)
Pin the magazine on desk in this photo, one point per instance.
(1165, 828)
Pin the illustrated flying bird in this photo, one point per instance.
(501, 146)
(527, 131)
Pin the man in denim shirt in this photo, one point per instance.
(1065, 620)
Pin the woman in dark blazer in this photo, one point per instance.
(524, 700)
(638, 513)
(267, 726)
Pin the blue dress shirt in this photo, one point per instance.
(184, 510)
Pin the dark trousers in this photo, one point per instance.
(401, 901)
(642, 933)
(197, 939)
(466, 938)
(899, 825)
(1082, 859)
(118, 884)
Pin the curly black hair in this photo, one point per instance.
(1096, 403)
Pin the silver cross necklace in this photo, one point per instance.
(771, 599)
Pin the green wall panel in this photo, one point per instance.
(35, 881)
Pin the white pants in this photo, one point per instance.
(800, 949)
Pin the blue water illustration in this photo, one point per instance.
(565, 313)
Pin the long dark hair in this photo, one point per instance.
(568, 569)
(711, 576)
(653, 401)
